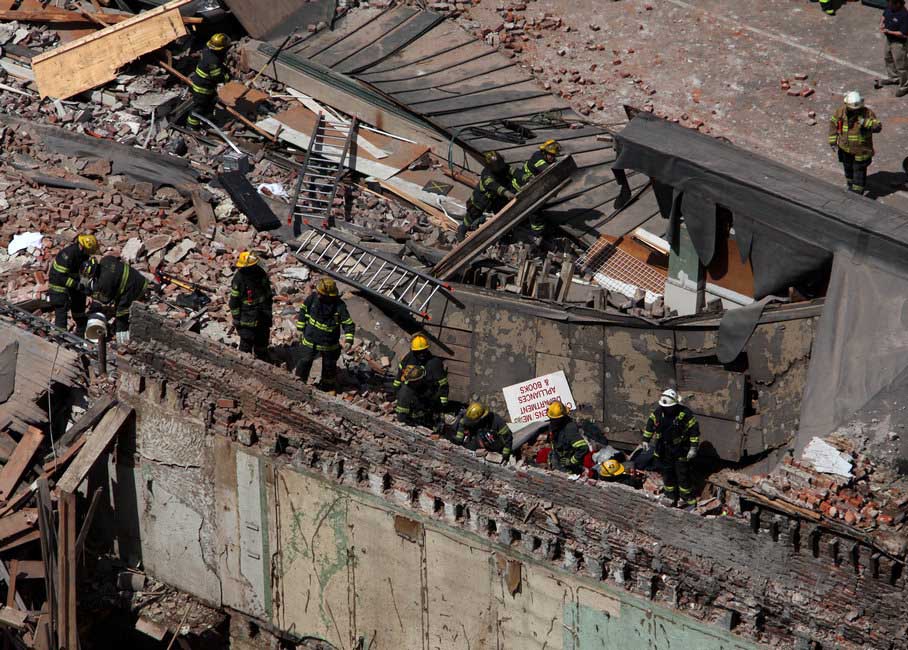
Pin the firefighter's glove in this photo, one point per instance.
(644, 445)
(691, 453)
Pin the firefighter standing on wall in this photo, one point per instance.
(65, 291)
(250, 305)
(568, 446)
(422, 385)
(208, 73)
(322, 318)
(114, 284)
(541, 160)
(496, 185)
(851, 130)
(674, 434)
(478, 427)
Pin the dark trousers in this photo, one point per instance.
(413, 407)
(255, 340)
(855, 171)
(201, 104)
(676, 477)
(308, 355)
(63, 303)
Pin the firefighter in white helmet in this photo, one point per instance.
(851, 130)
(674, 434)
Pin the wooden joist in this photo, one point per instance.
(67, 631)
(89, 419)
(96, 444)
(18, 522)
(94, 60)
(65, 16)
(13, 618)
(530, 199)
(19, 462)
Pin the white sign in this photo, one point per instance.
(528, 401)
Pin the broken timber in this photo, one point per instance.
(93, 60)
(65, 16)
(96, 444)
(528, 200)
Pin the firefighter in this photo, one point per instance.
(568, 445)
(322, 318)
(422, 385)
(66, 291)
(478, 427)
(540, 160)
(496, 185)
(613, 471)
(115, 285)
(851, 130)
(208, 73)
(828, 6)
(673, 432)
(250, 305)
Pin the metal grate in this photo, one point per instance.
(608, 262)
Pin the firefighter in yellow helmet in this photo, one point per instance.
(568, 445)
(322, 319)
(113, 286)
(422, 385)
(541, 160)
(208, 74)
(496, 185)
(65, 291)
(480, 428)
(251, 298)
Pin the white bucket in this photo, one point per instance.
(96, 327)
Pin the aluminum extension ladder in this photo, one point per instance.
(316, 185)
(371, 272)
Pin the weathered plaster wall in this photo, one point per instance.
(328, 471)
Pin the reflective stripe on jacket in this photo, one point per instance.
(853, 133)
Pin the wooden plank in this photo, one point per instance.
(68, 633)
(373, 31)
(42, 633)
(18, 522)
(203, 211)
(89, 419)
(52, 466)
(249, 201)
(65, 16)
(86, 523)
(19, 462)
(27, 538)
(48, 539)
(528, 200)
(94, 60)
(12, 597)
(96, 444)
(28, 569)
(390, 43)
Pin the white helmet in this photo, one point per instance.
(853, 100)
(670, 397)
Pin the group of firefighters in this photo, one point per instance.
(421, 380)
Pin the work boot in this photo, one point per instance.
(690, 507)
(891, 81)
(901, 92)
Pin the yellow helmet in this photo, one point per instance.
(419, 342)
(475, 412)
(611, 467)
(326, 287)
(550, 146)
(557, 410)
(218, 42)
(89, 243)
(246, 259)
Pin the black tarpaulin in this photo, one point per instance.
(795, 222)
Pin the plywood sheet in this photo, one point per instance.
(94, 59)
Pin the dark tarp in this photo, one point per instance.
(791, 222)
(9, 359)
(736, 328)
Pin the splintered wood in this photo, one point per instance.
(95, 59)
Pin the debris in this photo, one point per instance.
(827, 459)
(25, 241)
